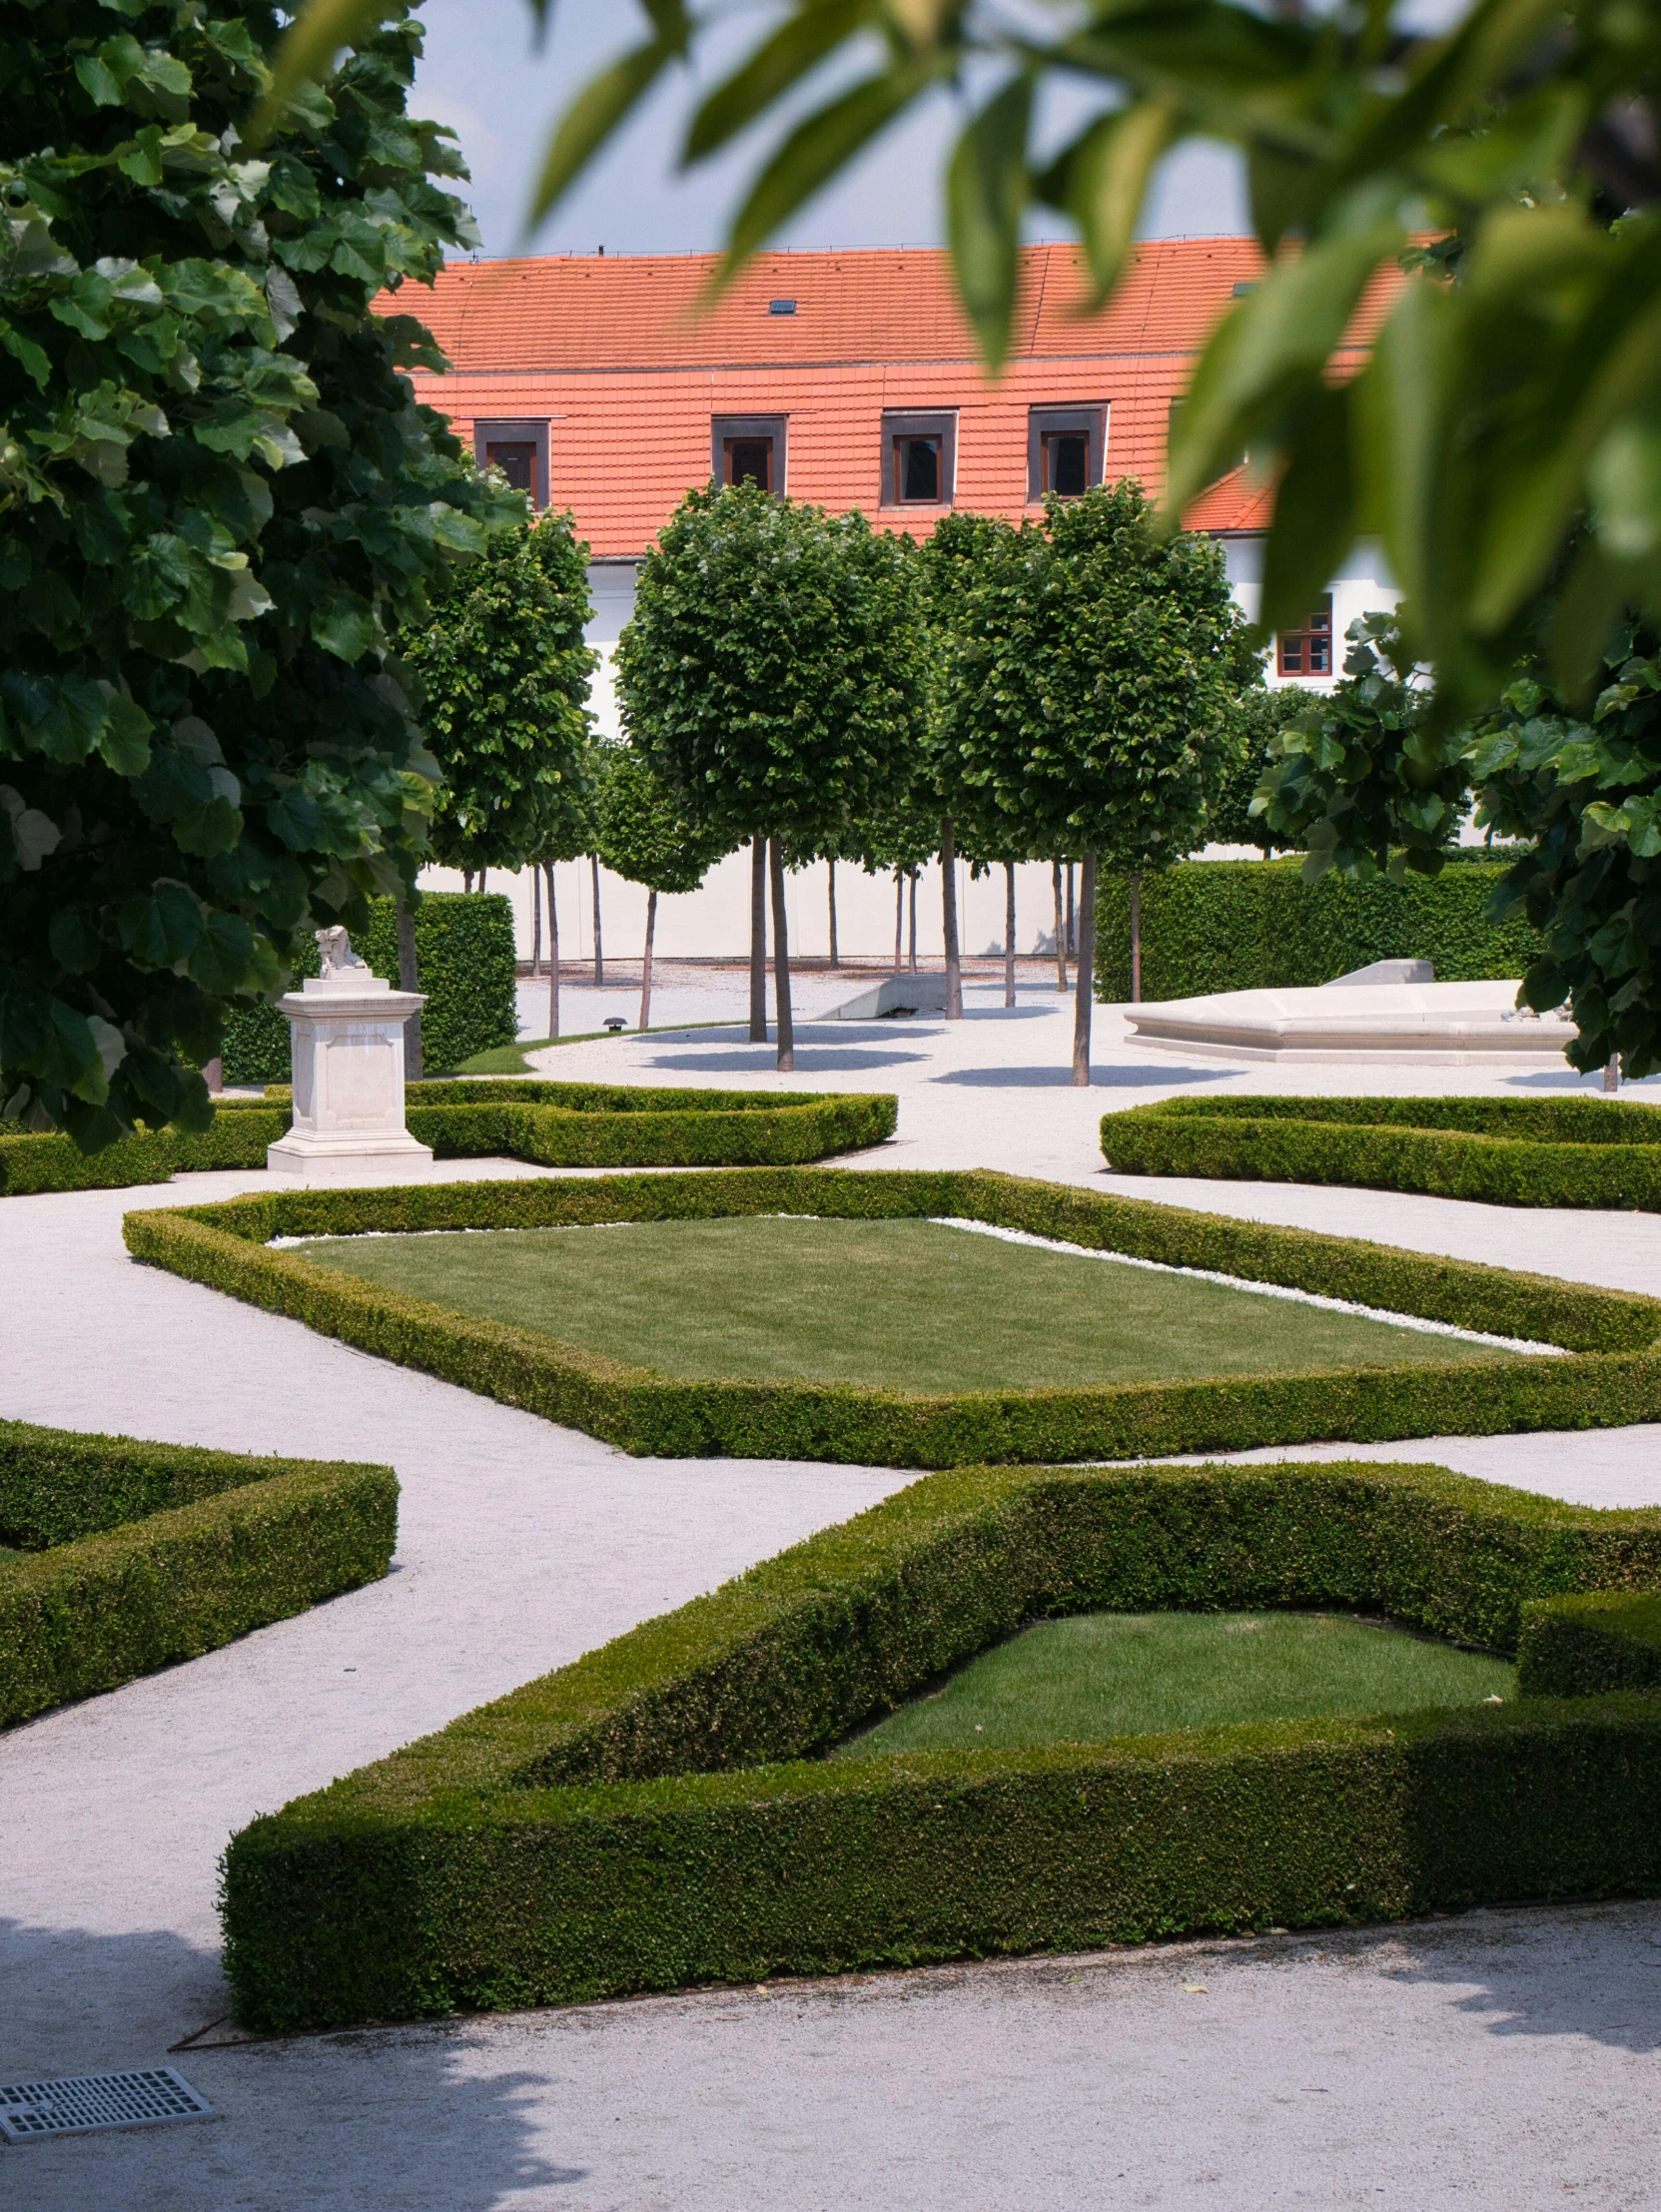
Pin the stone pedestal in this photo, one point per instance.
(348, 1034)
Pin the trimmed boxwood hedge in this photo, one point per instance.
(554, 1124)
(661, 1813)
(132, 1555)
(1575, 1647)
(1504, 1151)
(1616, 1381)
(468, 964)
(1242, 925)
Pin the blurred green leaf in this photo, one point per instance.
(986, 195)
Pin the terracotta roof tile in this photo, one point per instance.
(620, 356)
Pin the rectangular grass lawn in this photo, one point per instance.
(1132, 1674)
(899, 1304)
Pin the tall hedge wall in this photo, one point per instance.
(1244, 925)
(468, 964)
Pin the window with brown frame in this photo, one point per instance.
(748, 460)
(1066, 462)
(517, 458)
(917, 471)
(1308, 650)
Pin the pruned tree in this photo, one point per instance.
(1090, 681)
(769, 675)
(644, 835)
(1258, 718)
(504, 671)
(216, 500)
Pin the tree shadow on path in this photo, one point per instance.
(382, 2120)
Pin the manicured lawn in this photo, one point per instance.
(1134, 1674)
(907, 1305)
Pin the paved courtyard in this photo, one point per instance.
(1495, 2059)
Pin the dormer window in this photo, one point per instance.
(748, 449)
(1066, 450)
(919, 460)
(520, 450)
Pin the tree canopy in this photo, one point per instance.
(504, 673)
(214, 496)
(644, 833)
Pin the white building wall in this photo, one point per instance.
(714, 922)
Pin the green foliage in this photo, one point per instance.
(554, 1124)
(1498, 1152)
(655, 1814)
(1581, 1646)
(1585, 788)
(214, 495)
(504, 673)
(1364, 769)
(223, 1246)
(1090, 682)
(136, 1555)
(768, 672)
(644, 833)
(1256, 718)
(1225, 925)
(467, 962)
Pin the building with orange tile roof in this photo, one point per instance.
(613, 384)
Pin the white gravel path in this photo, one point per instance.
(1498, 2059)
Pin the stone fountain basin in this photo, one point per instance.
(1449, 1024)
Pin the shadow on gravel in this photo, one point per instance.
(1594, 1971)
(1101, 1078)
(1552, 1078)
(761, 1060)
(373, 2120)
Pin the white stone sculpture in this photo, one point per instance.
(346, 1028)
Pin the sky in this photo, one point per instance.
(480, 76)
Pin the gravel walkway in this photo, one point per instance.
(1501, 2059)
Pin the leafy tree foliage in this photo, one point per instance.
(769, 675)
(1257, 720)
(1585, 789)
(215, 491)
(645, 837)
(504, 672)
(1090, 682)
(1363, 770)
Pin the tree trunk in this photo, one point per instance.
(1009, 932)
(554, 959)
(758, 940)
(1084, 982)
(914, 875)
(781, 958)
(645, 960)
(1061, 927)
(482, 873)
(1072, 918)
(1611, 1073)
(408, 979)
(830, 870)
(600, 955)
(1136, 939)
(535, 923)
(466, 879)
(899, 914)
(949, 892)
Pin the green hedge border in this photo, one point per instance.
(548, 1125)
(1575, 1647)
(655, 1813)
(1614, 1380)
(1501, 1152)
(134, 1554)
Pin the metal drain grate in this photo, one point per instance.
(146, 2097)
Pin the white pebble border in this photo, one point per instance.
(1043, 1245)
(1263, 1289)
